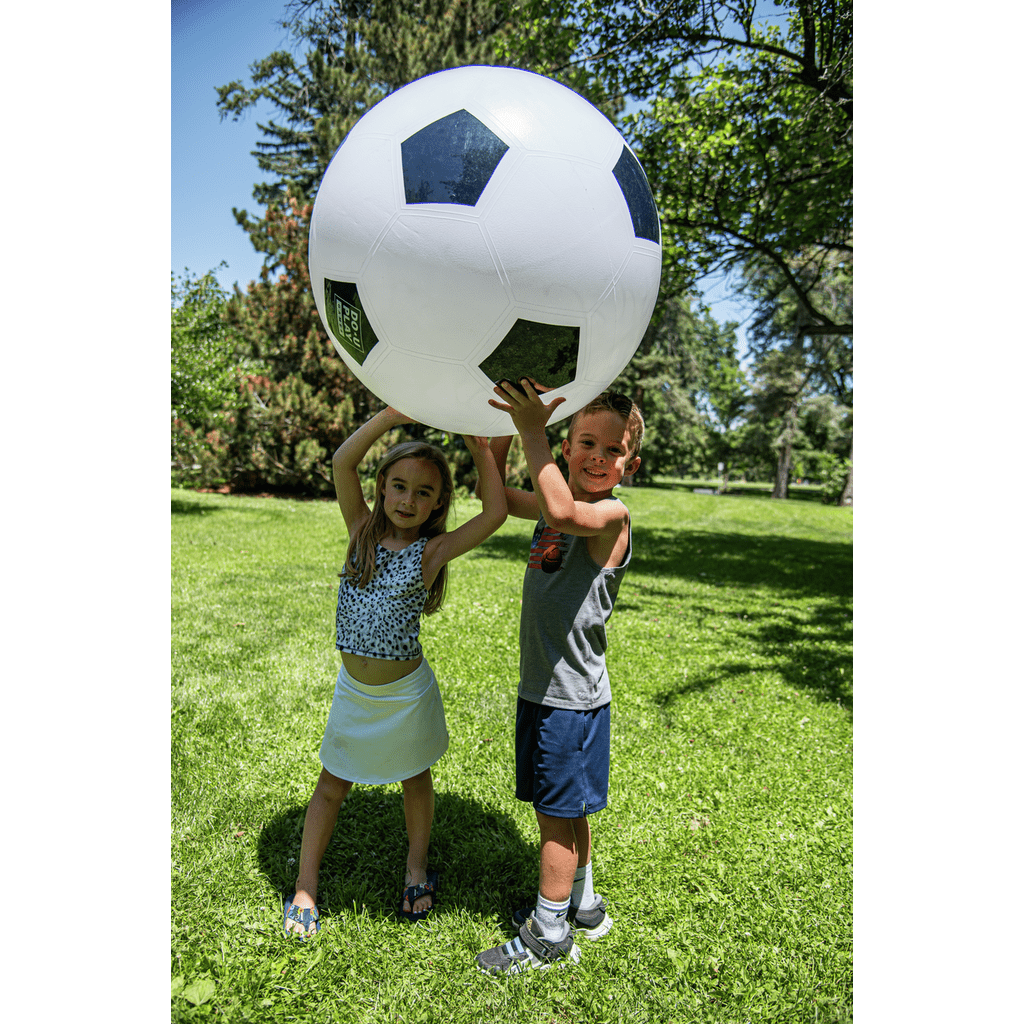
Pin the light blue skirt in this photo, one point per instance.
(380, 734)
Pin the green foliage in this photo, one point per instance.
(727, 397)
(679, 377)
(198, 458)
(746, 135)
(662, 378)
(781, 320)
(208, 361)
(725, 854)
(203, 355)
(834, 472)
(306, 402)
(803, 392)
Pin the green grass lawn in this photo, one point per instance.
(725, 853)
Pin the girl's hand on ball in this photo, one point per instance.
(475, 445)
(399, 417)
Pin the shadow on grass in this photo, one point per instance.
(483, 861)
(736, 489)
(765, 493)
(794, 565)
(186, 507)
(754, 581)
(801, 661)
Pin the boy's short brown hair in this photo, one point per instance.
(615, 401)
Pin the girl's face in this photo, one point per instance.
(412, 491)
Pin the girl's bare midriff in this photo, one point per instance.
(378, 671)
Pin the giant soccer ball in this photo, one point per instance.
(478, 224)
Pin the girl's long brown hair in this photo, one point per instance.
(361, 563)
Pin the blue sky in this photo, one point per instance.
(213, 42)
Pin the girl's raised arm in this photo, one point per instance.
(347, 458)
(521, 504)
(491, 491)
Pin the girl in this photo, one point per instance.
(386, 722)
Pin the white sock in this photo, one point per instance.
(551, 919)
(583, 897)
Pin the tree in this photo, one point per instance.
(305, 402)
(794, 363)
(207, 361)
(746, 135)
(662, 378)
(727, 396)
(202, 350)
(745, 131)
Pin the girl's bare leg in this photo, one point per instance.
(418, 796)
(321, 815)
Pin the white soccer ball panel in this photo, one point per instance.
(567, 260)
(431, 285)
(623, 312)
(352, 207)
(447, 396)
(541, 115)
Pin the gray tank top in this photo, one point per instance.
(567, 601)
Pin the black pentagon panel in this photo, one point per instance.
(346, 319)
(633, 182)
(451, 160)
(545, 352)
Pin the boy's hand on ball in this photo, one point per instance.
(525, 405)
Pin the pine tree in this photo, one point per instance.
(294, 415)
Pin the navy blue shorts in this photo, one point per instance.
(562, 758)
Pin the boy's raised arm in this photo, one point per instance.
(561, 511)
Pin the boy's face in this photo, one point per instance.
(598, 455)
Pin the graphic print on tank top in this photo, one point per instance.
(548, 550)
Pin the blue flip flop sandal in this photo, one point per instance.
(413, 892)
(307, 918)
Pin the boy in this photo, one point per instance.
(580, 551)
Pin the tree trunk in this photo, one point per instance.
(846, 498)
(781, 488)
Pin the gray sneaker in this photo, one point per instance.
(526, 951)
(592, 923)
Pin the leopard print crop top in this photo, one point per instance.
(382, 619)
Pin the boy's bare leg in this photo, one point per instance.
(321, 815)
(418, 796)
(558, 857)
(581, 829)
